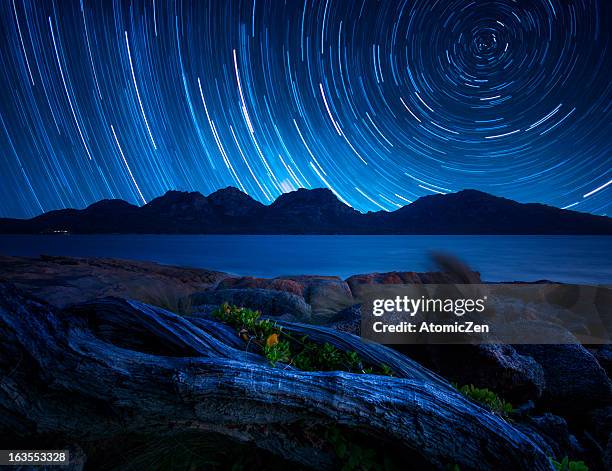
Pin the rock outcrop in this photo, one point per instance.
(562, 391)
(574, 380)
(497, 367)
(100, 372)
(66, 280)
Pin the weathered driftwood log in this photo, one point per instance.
(114, 367)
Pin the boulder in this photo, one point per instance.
(575, 382)
(268, 302)
(515, 377)
(355, 282)
(347, 320)
(599, 425)
(554, 432)
(327, 295)
(603, 354)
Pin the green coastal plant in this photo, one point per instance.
(326, 357)
(239, 317)
(566, 465)
(487, 398)
(281, 347)
(277, 352)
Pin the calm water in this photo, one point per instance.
(582, 259)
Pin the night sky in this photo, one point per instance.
(381, 101)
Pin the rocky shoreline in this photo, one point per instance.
(102, 319)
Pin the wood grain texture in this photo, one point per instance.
(112, 367)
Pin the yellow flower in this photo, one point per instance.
(272, 340)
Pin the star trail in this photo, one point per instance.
(380, 101)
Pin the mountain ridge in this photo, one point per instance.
(316, 211)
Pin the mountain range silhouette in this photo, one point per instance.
(317, 211)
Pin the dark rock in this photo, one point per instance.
(347, 320)
(551, 429)
(501, 368)
(607, 457)
(524, 410)
(555, 429)
(554, 432)
(203, 311)
(591, 452)
(268, 302)
(537, 438)
(599, 424)
(603, 354)
(575, 382)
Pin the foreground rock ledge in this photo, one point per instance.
(113, 367)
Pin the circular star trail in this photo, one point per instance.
(382, 102)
